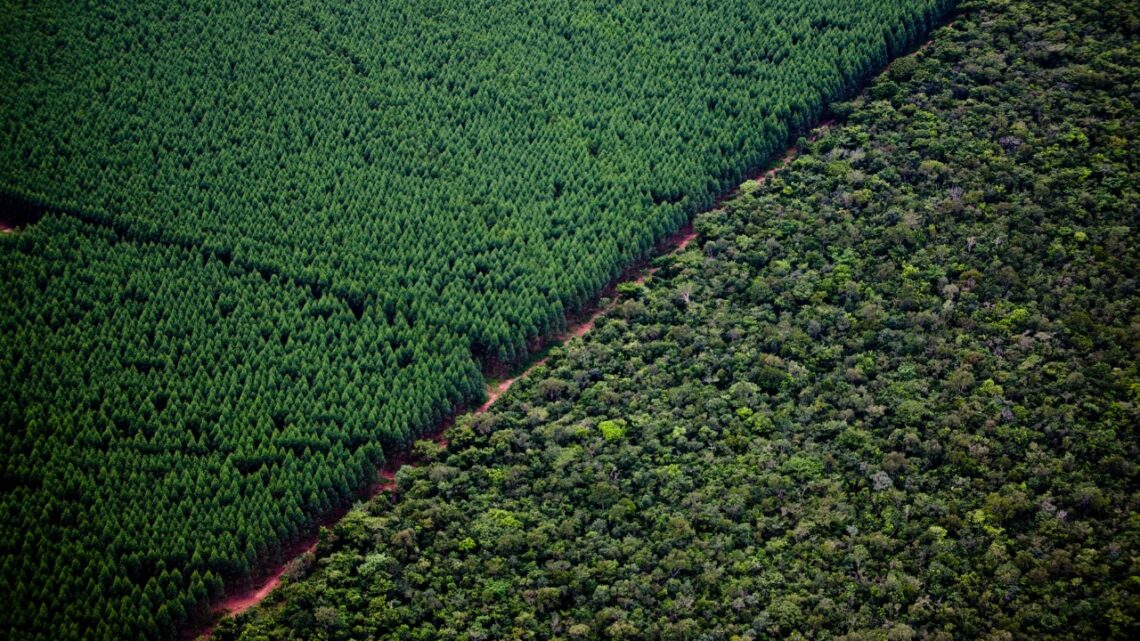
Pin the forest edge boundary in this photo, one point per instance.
(246, 594)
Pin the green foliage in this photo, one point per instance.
(477, 171)
(926, 470)
(612, 430)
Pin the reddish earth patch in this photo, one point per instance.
(496, 390)
(235, 604)
(688, 235)
(243, 596)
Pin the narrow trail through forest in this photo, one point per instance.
(247, 594)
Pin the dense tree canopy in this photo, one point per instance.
(891, 394)
(481, 168)
(167, 410)
(289, 234)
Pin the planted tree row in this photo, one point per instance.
(170, 421)
(443, 160)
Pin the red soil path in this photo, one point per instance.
(243, 596)
(245, 599)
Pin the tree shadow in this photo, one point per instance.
(17, 212)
